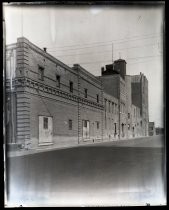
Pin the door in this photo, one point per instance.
(133, 132)
(85, 129)
(122, 126)
(45, 129)
(115, 131)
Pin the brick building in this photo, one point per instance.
(152, 130)
(53, 103)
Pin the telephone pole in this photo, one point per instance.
(112, 53)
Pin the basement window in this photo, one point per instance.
(41, 73)
(85, 93)
(71, 86)
(97, 123)
(97, 98)
(70, 124)
(58, 81)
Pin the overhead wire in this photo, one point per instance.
(127, 39)
(106, 51)
(110, 60)
(100, 45)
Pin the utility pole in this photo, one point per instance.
(119, 108)
(21, 22)
(112, 53)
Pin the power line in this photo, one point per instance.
(127, 38)
(21, 22)
(94, 46)
(133, 63)
(111, 60)
(116, 41)
(108, 41)
(75, 54)
(129, 63)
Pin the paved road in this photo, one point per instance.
(156, 141)
(88, 176)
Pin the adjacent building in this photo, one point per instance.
(51, 103)
(159, 131)
(152, 130)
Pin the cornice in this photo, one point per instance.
(27, 82)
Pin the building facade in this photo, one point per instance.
(152, 129)
(49, 102)
(159, 131)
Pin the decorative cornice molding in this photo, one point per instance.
(27, 82)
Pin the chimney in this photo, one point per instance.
(45, 49)
(120, 66)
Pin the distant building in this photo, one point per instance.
(159, 131)
(152, 130)
(132, 95)
(51, 103)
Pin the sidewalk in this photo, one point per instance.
(134, 142)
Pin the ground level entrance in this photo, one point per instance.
(45, 129)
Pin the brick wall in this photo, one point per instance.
(111, 84)
(111, 117)
(60, 109)
(42, 97)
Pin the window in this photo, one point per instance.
(128, 126)
(70, 124)
(112, 107)
(105, 104)
(85, 93)
(41, 73)
(128, 115)
(97, 123)
(57, 81)
(105, 122)
(85, 123)
(109, 106)
(115, 128)
(45, 123)
(141, 123)
(97, 98)
(109, 124)
(71, 86)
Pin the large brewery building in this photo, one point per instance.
(50, 103)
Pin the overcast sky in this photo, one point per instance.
(87, 35)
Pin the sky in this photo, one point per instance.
(94, 36)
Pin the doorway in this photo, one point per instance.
(85, 129)
(122, 127)
(133, 132)
(45, 129)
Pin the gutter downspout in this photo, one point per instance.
(119, 108)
